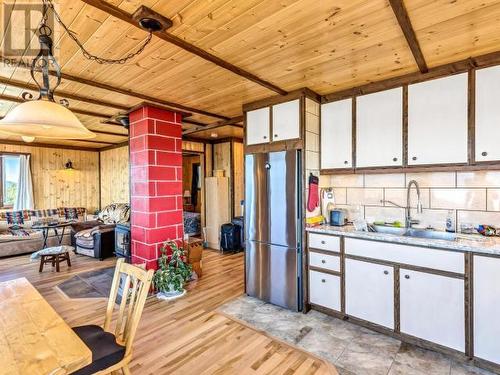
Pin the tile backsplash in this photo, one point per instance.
(474, 196)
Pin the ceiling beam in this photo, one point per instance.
(117, 145)
(232, 122)
(404, 22)
(108, 133)
(181, 43)
(122, 91)
(16, 99)
(48, 145)
(62, 94)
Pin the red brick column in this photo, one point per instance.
(156, 182)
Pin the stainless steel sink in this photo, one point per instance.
(418, 233)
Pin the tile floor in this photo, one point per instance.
(351, 348)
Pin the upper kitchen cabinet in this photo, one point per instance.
(379, 129)
(258, 126)
(437, 121)
(336, 135)
(286, 121)
(487, 114)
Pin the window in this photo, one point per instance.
(10, 176)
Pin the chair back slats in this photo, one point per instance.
(134, 293)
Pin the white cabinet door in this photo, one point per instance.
(336, 134)
(437, 121)
(487, 308)
(487, 114)
(369, 292)
(432, 308)
(324, 290)
(379, 129)
(286, 121)
(257, 126)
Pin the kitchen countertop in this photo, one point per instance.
(464, 242)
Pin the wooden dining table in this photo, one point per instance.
(34, 339)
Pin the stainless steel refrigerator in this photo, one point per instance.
(273, 228)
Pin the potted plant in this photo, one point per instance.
(172, 272)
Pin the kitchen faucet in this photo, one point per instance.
(408, 220)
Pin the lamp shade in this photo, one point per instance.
(43, 119)
(187, 193)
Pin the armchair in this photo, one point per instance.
(96, 238)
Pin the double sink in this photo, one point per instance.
(418, 233)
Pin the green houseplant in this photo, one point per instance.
(172, 272)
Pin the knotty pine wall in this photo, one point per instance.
(53, 186)
(115, 184)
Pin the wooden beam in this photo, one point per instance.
(62, 94)
(462, 66)
(17, 99)
(118, 90)
(108, 133)
(404, 22)
(181, 43)
(232, 122)
(47, 145)
(116, 145)
(193, 122)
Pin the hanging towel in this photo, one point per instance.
(313, 197)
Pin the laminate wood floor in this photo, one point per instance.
(185, 336)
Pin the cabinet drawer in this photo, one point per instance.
(413, 255)
(328, 262)
(324, 290)
(324, 242)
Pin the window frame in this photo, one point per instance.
(2, 154)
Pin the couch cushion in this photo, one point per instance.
(105, 351)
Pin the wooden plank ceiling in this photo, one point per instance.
(324, 45)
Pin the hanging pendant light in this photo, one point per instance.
(44, 117)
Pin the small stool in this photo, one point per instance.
(54, 255)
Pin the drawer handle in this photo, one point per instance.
(323, 280)
(323, 242)
(407, 277)
(386, 272)
(323, 261)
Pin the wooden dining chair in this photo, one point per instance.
(112, 348)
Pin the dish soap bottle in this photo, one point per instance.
(450, 221)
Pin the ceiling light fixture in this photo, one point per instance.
(44, 117)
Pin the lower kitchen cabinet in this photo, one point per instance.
(487, 308)
(432, 308)
(324, 290)
(369, 292)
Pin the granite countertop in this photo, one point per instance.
(464, 242)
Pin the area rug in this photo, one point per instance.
(350, 348)
(92, 284)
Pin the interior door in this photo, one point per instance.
(432, 308)
(379, 129)
(369, 292)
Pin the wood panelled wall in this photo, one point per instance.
(53, 186)
(115, 183)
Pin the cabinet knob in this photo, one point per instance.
(394, 159)
(407, 277)
(276, 136)
(265, 137)
(414, 158)
(323, 261)
(323, 280)
(323, 242)
(346, 162)
(484, 153)
(386, 272)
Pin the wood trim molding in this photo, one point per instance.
(457, 67)
(117, 145)
(49, 145)
(401, 14)
(277, 99)
(164, 35)
(232, 122)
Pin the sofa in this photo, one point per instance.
(96, 238)
(18, 237)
